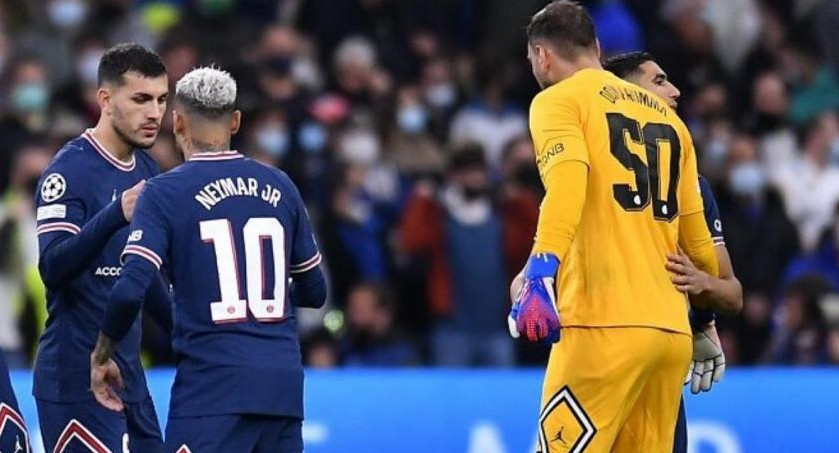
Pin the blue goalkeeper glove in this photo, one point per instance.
(534, 309)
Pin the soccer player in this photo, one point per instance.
(725, 292)
(85, 202)
(13, 435)
(620, 175)
(232, 232)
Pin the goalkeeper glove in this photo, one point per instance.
(708, 365)
(534, 309)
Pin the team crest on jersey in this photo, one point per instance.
(13, 435)
(53, 188)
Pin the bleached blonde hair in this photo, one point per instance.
(207, 91)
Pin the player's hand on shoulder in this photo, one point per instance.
(533, 314)
(129, 199)
(105, 379)
(708, 365)
(687, 277)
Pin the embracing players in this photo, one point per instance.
(620, 174)
(85, 202)
(725, 292)
(231, 232)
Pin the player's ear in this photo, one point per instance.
(103, 98)
(235, 122)
(178, 125)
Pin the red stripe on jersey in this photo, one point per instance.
(88, 135)
(212, 156)
(76, 430)
(8, 414)
(145, 253)
(306, 265)
(58, 226)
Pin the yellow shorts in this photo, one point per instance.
(613, 389)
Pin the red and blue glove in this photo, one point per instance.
(534, 312)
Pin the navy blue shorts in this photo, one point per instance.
(680, 442)
(240, 433)
(88, 426)
(13, 435)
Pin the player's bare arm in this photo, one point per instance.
(724, 292)
(105, 376)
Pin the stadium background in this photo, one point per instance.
(381, 110)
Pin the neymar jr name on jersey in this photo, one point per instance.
(220, 189)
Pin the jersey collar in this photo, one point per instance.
(213, 156)
(124, 166)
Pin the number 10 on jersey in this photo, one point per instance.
(232, 308)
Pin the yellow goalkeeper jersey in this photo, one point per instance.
(642, 177)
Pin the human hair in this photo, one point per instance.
(627, 64)
(566, 26)
(129, 57)
(208, 92)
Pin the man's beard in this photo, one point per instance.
(127, 138)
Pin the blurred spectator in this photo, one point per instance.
(371, 338)
(810, 184)
(753, 330)
(459, 228)
(758, 233)
(19, 280)
(815, 88)
(801, 331)
(357, 75)
(522, 193)
(27, 100)
(822, 262)
(489, 119)
(320, 349)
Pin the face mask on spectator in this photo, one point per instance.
(30, 97)
(312, 137)
(67, 13)
(88, 67)
(441, 95)
(715, 151)
(747, 179)
(361, 148)
(273, 140)
(412, 119)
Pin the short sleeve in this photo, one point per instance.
(712, 212)
(149, 232)
(556, 128)
(304, 249)
(690, 195)
(60, 203)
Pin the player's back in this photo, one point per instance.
(641, 171)
(235, 231)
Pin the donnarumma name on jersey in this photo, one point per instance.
(212, 193)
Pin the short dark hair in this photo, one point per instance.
(467, 156)
(627, 64)
(129, 57)
(564, 24)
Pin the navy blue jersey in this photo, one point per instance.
(700, 317)
(232, 231)
(712, 212)
(79, 198)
